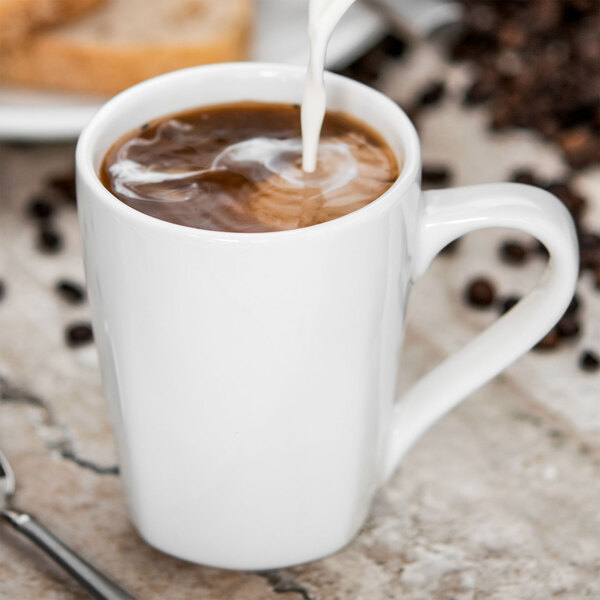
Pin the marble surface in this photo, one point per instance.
(499, 500)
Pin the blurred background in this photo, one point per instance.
(499, 500)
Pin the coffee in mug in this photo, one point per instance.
(238, 167)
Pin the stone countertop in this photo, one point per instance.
(498, 500)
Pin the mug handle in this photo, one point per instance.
(445, 216)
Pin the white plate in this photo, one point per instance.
(280, 37)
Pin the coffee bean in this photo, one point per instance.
(549, 341)
(431, 94)
(509, 64)
(78, 334)
(450, 248)
(568, 326)
(547, 125)
(482, 17)
(589, 361)
(573, 307)
(70, 291)
(580, 146)
(589, 241)
(513, 252)
(479, 91)
(472, 44)
(367, 68)
(502, 118)
(413, 113)
(540, 249)
(546, 15)
(512, 35)
(508, 303)
(394, 46)
(49, 240)
(536, 64)
(524, 176)
(436, 175)
(573, 201)
(480, 293)
(40, 208)
(64, 184)
(2, 289)
(589, 247)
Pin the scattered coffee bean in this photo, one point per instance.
(524, 176)
(482, 17)
(580, 146)
(589, 361)
(49, 240)
(2, 289)
(549, 342)
(70, 291)
(413, 113)
(568, 326)
(501, 118)
(513, 252)
(40, 208)
(589, 248)
(573, 201)
(450, 248)
(536, 64)
(431, 94)
(479, 91)
(64, 184)
(394, 46)
(368, 67)
(480, 293)
(436, 175)
(540, 249)
(507, 303)
(78, 334)
(589, 242)
(573, 307)
(512, 35)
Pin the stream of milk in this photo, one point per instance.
(323, 16)
(339, 166)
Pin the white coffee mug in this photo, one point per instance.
(251, 376)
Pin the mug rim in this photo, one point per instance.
(87, 140)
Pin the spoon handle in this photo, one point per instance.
(91, 579)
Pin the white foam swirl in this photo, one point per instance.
(281, 158)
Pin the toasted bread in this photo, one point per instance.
(127, 41)
(19, 18)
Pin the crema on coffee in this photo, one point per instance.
(238, 167)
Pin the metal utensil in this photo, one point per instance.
(91, 579)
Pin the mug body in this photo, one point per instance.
(250, 376)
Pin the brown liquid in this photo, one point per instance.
(237, 167)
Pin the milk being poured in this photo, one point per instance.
(323, 16)
(292, 162)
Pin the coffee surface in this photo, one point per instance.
(238, 167)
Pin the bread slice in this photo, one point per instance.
(19, 18)
(127, 41)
